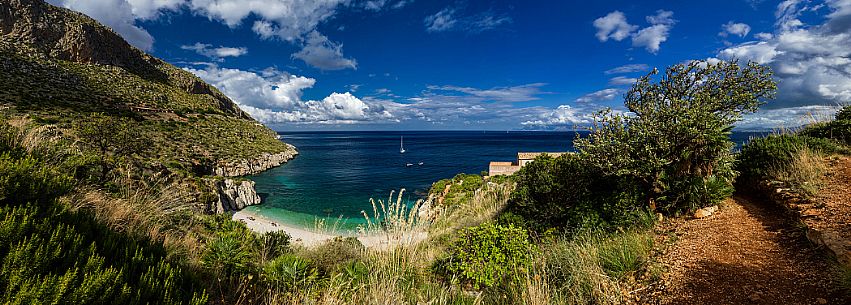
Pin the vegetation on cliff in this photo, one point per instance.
(65, 72)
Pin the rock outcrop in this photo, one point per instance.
(63, 34)
(253, 166)
(234, 195)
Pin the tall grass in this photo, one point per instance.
(155, 210)
(805, 171)
(588, 267)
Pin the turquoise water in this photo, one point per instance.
(336, 173)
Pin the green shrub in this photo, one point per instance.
(289, 273)
(332, 254)
(27, 180)
(354, 273)
(839, 130)
(461, 188)
(586, 268)
(844, 114)
(625, 252)
(274, 244)
(759, 157)
(227, 255)
(484, 255)
(675, 143)
(570, 192)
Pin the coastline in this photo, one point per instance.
(376, 240)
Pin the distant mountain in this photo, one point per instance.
(58, 65)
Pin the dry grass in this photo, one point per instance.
(806, 171)
(143, 209)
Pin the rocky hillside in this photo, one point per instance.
(59, 66)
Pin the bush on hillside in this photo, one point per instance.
(461, 188)
(25, 180)
(336, 252)
(484, 255)
(675, 142)
(569, 192)
(762, 158)
(274, 244)
(288, 273)
(844, 114)
(112, 139)
(49, 254)
(839, 130)
(232, 250)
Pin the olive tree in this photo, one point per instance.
(674, 140)
(111, 139)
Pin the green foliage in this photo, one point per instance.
(332, 254)
(676, 144)
(232, 250)
(227, 255)
(25, 180)
(585, 268)
(461, 188)
(844, 114)
(484, 255)
(569, 192)
(111, 139)
(623, 253)
(839, 130)
(354, 272)
(289, 273)
(760, 156)
(50, 255)
(274, 244)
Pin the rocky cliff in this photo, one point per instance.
(234, 195)
(66, 35)
(59, 66)
(256, 165)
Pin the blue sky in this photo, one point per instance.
(416, 64)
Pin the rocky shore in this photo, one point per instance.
(234, 194)
(246, 167)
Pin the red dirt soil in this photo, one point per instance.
(746, 253)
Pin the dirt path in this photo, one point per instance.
(831, 211)
(743, 254)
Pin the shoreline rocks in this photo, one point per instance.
(235, 195)
(246, 167)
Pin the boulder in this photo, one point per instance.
(705, 212)
(235, 195)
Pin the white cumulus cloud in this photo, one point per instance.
(812, 62)
(598, 96)
(321, 53)
(275, 97)
(735, 28)
(615, 26)
(651, 38)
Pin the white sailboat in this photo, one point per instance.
(402, 145)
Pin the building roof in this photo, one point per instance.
(533, 155)
(499, 163)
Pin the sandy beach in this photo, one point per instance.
(307, 237)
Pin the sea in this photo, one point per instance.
(335, 175)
